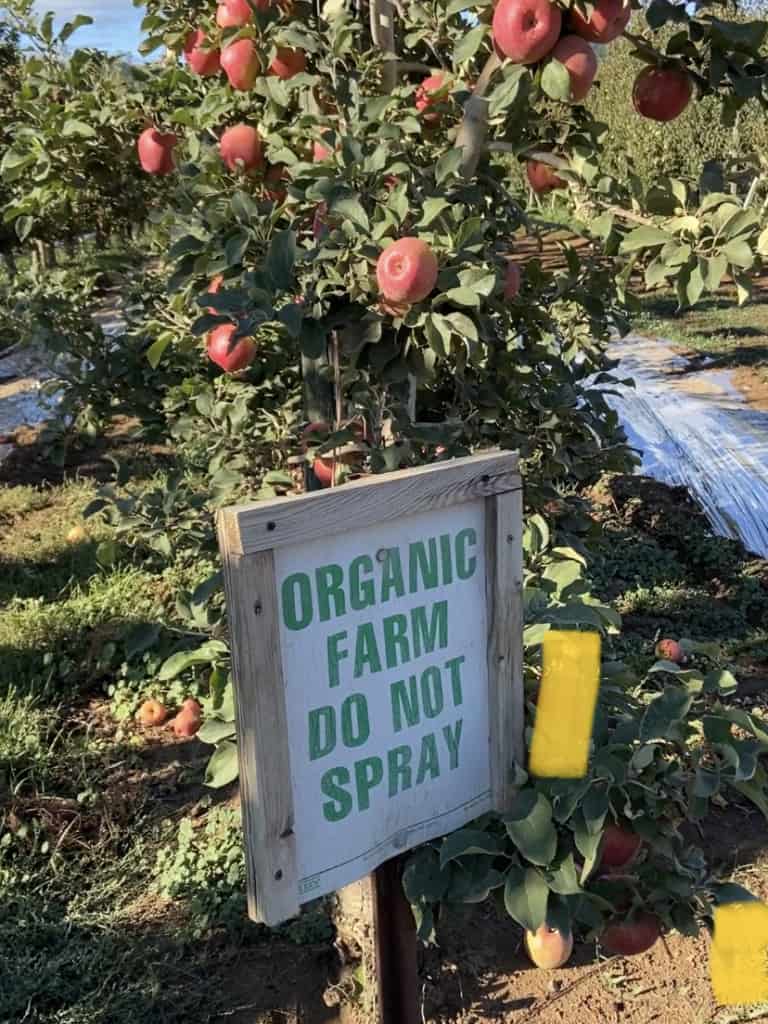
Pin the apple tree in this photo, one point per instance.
(344, 241)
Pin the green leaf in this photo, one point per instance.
(223, 766)
(214, 731)
(462, 297)
(525, 897)
(762, 242)
(469, 44)
(665, 712)
(588, 845)
(424, 878)
(72, 26)
(207, 654)
(644, 238)
(564, 879)
(464, 327)
(738, 253)
(716, 267)
(157, 349)
(432, 208)
(556, 81)
(23, 227)
(706, 782)
(281, 258)
(352, 210)
(530, 827)
(78, 128)
(468, 841)
(562, 574)
(448, 165)
(506, 92)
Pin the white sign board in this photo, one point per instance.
(383, 709)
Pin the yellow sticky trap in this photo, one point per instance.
(566, 705)
(738, 956)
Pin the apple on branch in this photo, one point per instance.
(579, 60)
(526, 30)
(240, 148)
(407, 271)
(234, 14)
(230, 354)
(288, 62)
(607, 21)
(542, 177)
(241, 64)
(661, 94)
(156, 151)
(202, 59)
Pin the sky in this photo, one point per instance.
(115, 22)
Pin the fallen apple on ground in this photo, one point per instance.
(548, 948)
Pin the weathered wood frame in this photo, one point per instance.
(248, 536)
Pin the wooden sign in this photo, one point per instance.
(377, 658)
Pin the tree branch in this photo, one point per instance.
(473, 129)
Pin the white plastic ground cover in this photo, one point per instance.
(693, 428)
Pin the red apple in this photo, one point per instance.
(234, 13)
(620, 847)
(152, 713)
(187, 723)
(512, 280)
(670, 650)
(241, 64)
(636, 935)
(542, 177)
(320, 152)
(607, 21)
(203, 61)
(214, 288)
(548, 948)
(661, 94)
(580, 62)
(240, 148)
(526, 30)
(230, 357)
(327, 470)
(288, 63)
(156, 151)
(432, 90)
(407, 271)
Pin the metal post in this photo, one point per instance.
(394, 931)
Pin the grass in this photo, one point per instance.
(736, 337)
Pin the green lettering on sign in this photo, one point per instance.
(329, 580)
(362, 593)
(366, 650)
(332, 785)
(428, 636)
(399, 764)
(368, 774)
(422, 566)
(322, 732)
(296, 593)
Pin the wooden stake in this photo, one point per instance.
(396, 948)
